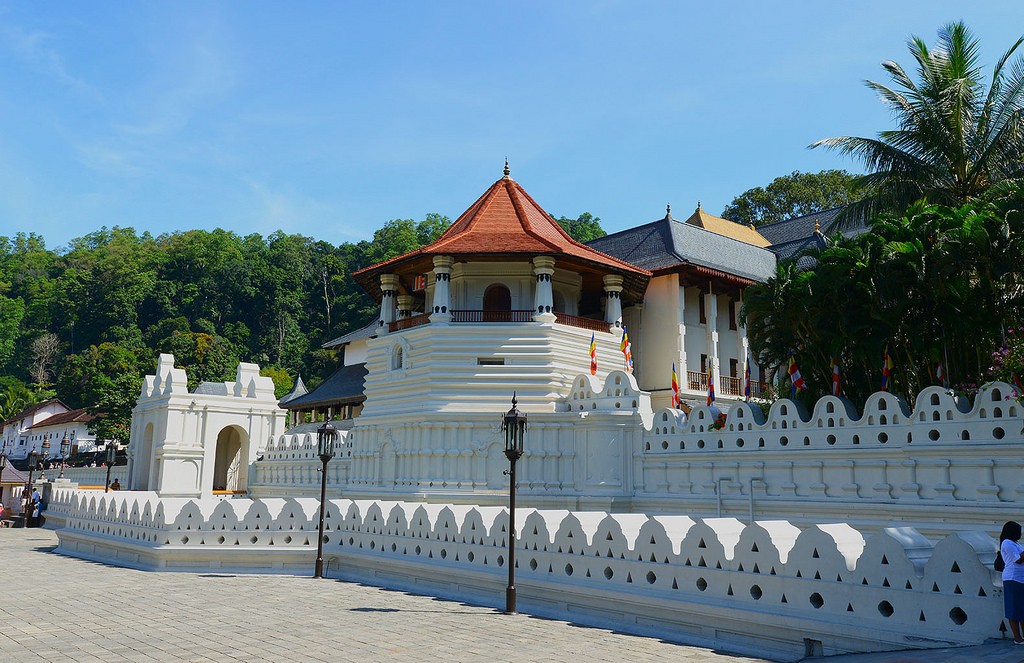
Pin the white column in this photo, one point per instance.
(442, 311)
(388, 291)
(543, 299)
(613, 299)
(742, 345)
(405, 304)
(711, 313)
(684, 380)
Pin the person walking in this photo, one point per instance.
(1013, 577)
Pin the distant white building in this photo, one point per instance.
(51, 419)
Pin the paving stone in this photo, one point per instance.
(58, 608)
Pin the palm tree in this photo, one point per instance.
(955, 141)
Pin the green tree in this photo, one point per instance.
(796, 194)
(583, 228)
(954, 138)
(106, 379)
(936, 284)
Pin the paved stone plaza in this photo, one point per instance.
(55, 608)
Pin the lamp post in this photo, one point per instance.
(26, 511)
(44, 455)
(111, 459)
(514, 425)
(325, 437)
(65, 451)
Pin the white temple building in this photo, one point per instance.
(851, 527)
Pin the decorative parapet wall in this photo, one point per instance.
(291, 466)
(894, 462)
(765, 587)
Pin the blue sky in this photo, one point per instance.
(330, 118)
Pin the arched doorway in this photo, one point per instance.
(230, 461)
(497, 303)
(142, 461)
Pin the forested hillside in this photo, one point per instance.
(85, 322)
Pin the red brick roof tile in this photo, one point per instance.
(505, 221)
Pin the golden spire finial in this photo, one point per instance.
(817, 226)
(698, 203)
(507, 171)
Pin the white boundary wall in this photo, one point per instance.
(763, 588)
(946, 465)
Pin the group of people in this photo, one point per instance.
(32, 506)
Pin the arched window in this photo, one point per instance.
(397, 358)
(497, 298)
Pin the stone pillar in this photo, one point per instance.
(543, 299)
(711, 314)
(742, 344)
(442, 311)
(684, 379)
(405, 304)
(613, 299)
(388, 291)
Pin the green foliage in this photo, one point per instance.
(583, 228)
(106, 380)
(936, 284)
(954, 139)
(283, 382)
(16, 397)
(796, 194)
(92, 318)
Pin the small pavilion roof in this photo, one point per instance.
(504, 224)
(298, 390)
(345, 385)
(720, 226)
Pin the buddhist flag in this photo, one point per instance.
(887, 366)
(711, 383)
(940, 374)
(627, 350)
(746, 379)
(837, 385)
(675, 387)
(593, 354)
(795, 378)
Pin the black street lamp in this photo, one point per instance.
(33, 463)
(44, 456)
(65, 451)
(111, 459)
(514, 425)
(325, 437)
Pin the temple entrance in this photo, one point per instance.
(497, 298)
(229, 467)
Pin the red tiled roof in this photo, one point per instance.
(32, 409)
(69, 417)
(506, 221)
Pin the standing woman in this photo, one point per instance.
(1013, 577)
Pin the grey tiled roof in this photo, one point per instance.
(346, 385)
(794, 236)
(298, 390)
(212, 389)
(368, 331)
(668, 242)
